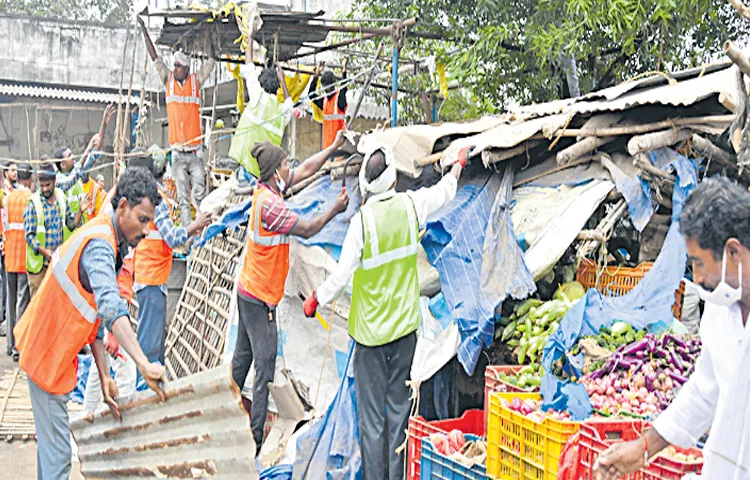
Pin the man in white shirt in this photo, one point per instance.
(380, 252)
(716, 227)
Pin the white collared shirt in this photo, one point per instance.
(706, 395)
(426, 202)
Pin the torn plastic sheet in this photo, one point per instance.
(650, 301)
(330, 449)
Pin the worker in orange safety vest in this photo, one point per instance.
(76, 299)
(183, 114)
(333, 103)
(14, 204)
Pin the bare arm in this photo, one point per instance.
(624, 458)
(150, 48)
(105, 121)
(314, 163)
(282, 81)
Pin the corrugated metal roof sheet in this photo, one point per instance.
(200, 431)
(20, 90)
(627, 95)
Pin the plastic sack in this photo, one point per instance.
(569, 465)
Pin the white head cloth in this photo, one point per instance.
(386, 179)
(180, 58)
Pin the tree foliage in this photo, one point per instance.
(510, 51)
(107, 11)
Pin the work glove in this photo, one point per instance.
(461, 159)
(310, 305)
(463, 156)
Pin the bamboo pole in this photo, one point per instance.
(118, 120)
(575, 163)
(736, 55)
(713, 152)
(490, 157)
(644, 128)
(728, 101)
(654, 140)
(431, 159)
(581, 148)
(140, 141)
(604, 229)
(362, 92)
(126, 116)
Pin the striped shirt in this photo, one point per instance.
(53, 224)
(275, 215)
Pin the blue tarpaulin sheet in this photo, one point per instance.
(479, 261)
(312, 201)
(650, 301)
(330, 449)
(279, 472)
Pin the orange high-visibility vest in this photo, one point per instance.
(266, 263)
(334, 120)
(184, 111)
(153, 260)
(125, 277)
(62, 317)
(15, 236)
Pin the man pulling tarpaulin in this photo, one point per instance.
(380, 253)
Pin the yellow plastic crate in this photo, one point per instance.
(519, 448)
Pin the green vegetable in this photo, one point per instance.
(508, 331)
(512, 343)
(620, 328)
(522, 352)
(536, 330)
(528, 325)
(570, 291)
(524, 307)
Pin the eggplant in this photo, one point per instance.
(677, 378)
(676, 360)
(650, 382)
(638, 346)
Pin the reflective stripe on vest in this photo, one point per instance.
(35, 261)
(183, 112)
(257, 116)
(385, 288)
(153, 235)
(60, 265)
(335, 116)
(15, 226)
(258, 239)
(14, 206)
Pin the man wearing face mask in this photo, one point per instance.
(716, 226)
(266, 265)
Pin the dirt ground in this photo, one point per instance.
(18, 458)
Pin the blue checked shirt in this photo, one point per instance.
(172, 235)
(65, 181)
(52, 224)
(98, 270)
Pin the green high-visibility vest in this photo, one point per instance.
(35, 261)
(385, 289)
(264, 121)
(74, 196)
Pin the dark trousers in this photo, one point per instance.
(18, 300)
(380, 375)
(256, 340)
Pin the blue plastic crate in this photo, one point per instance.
(437, 466)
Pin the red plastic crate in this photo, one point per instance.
(492, 383)
(595, 437)
(471, 422)
(438, 466)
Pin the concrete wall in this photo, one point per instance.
(68, 53)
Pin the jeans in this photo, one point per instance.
(189, 170)
(18, 300)
(256, 340)
(380, 375)
(53, 450)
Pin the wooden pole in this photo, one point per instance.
(603, 230)
(394, 85)
(490, 157)
(211, 149)
(118, 120)
(736, 55)
(728, 101)
(581, 148)
(334, 46)
(126, 115)
(655, 140)
(575, 163)
(363, 91)
(644, 128)
(140, 140)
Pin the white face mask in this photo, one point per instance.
(280, 183)
(723, 295)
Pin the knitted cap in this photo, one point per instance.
(269, 158)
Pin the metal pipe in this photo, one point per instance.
(394, 87)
